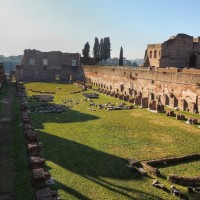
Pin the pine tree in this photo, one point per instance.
(121, 57)
(96, 50)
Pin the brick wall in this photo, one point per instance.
(171, 85)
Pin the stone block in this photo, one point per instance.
(152, 105)
(131, 100)
(36, 162)
(46, 193)
(31, 136)
(116, 95)
(160, 108)
(121, 97)
(170, 113)
(34, 149)
(39, 177)
(27, 127)
(180, 117)
(126, 97)
(137, 100)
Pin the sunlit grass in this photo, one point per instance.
(86, 149)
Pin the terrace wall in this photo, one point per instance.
(167, 85)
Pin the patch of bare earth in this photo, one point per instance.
(6, 162)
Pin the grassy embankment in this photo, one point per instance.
(86, 149)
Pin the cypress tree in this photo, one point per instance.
(86, 50)
(121, 57)
(107, 47)
(96, 50)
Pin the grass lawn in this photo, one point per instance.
(86, 149)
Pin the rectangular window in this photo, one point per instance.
(45, 62)
(155, 54)
(73, 63)
(150, 55)
(32, 62)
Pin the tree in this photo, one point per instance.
(107, 47)
(121, 57)
(101, 49)
(86, 51)
(96, 50)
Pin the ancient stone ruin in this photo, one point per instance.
(48, 66)
(171, 76)
(178, 51)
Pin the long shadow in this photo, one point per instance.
(69, 116)
(90, 164)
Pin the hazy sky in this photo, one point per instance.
(66, 25)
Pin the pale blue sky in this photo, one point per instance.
(66, 25)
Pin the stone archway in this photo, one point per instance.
(192, 60)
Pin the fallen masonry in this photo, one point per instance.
(91, 95)
(46, 98)
(48, 108)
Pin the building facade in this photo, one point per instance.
(48, 66)
(180, 51)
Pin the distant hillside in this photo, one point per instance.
(10, 62)
(139, 61)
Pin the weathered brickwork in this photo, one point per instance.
(173, 87)
(48, 66)
(179, 51)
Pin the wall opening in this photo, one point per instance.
(155, 54)
(192, 61)
(121, 88)
(150, 54)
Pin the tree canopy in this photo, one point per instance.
(86, 50)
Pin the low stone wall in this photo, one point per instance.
(36, 164)
(174, 159)
(185, 181)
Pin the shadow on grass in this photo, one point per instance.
(91, 164)
(69, 116)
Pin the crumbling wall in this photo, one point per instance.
(49, 66)
(178, 51)
(169, 86)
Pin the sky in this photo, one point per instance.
(66, 25)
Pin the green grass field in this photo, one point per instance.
(86, 150)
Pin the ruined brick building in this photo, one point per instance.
(175, 81)
(178, 51)
(48, 66)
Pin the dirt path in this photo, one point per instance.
(6, 162)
